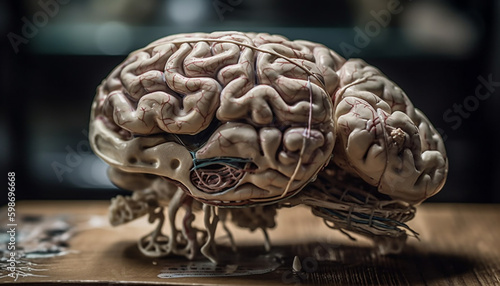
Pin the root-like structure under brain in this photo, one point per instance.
(238, 125)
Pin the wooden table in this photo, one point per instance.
(459, 245)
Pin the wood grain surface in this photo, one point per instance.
(459, 245)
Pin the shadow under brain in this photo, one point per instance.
(335, 264)
(321, 263)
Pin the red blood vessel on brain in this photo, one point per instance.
(242, 124)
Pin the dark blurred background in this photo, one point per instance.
(444, 54)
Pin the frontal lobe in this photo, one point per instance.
(231, 118)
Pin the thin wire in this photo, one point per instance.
(305, 135)
(309, 122)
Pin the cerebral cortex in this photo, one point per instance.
(234, 119)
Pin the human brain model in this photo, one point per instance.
(239, 125)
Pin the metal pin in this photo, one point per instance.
(296, 265)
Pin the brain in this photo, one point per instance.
(233, 119)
